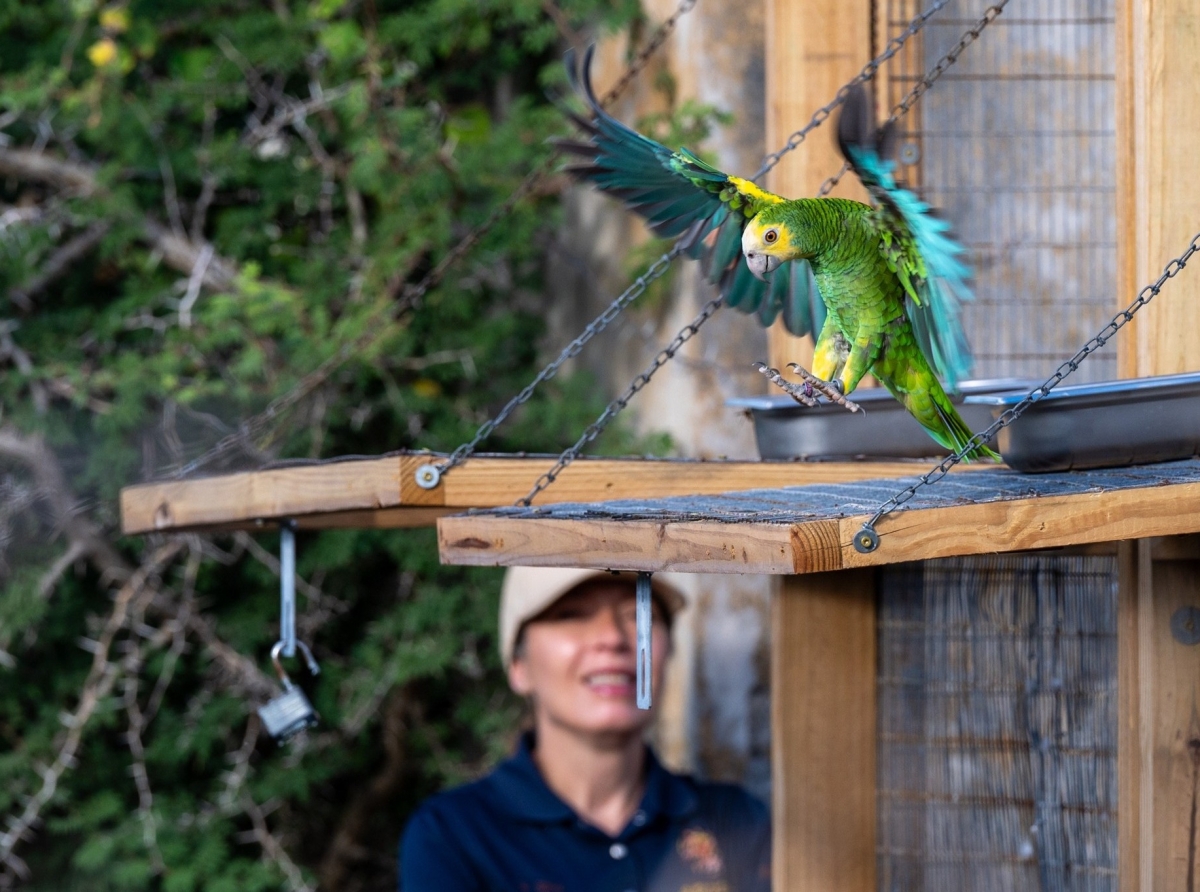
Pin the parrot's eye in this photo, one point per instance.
(770, 236)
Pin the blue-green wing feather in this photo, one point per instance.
(680, 195)
(917, 244)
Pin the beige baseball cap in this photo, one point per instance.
(527, 591)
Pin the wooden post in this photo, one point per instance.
(813, 48)
(1158, 210)
(823, 648)
(1158, 190)
(1159, 737)
(823, 732)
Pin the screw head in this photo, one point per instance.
(866, 540)
(428, 476)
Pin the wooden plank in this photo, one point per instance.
(687, 547)
(249, 499)
(823, 714)
(1159, 742)
(1131, 861)
(1019, 525)
(234, 499)
(759, 544)
(1158, 192)
(813, 48)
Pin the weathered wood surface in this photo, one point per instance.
(1159, 735)
(382, 492)
(1158, 192)
(810, 529)
(813, 48)
(823, 740)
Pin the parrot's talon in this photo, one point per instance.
(795, 391)
(831, 390)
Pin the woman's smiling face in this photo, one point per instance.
(577, 659)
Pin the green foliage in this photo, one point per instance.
(331, 153)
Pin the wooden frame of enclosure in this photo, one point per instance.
(823, 693)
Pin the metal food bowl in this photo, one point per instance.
(786, 430)
(1104, 425)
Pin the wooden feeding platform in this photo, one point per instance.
(383, 492)
(831, 714)
(810, 529)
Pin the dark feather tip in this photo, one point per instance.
(856, 123)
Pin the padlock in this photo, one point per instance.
(290, 712)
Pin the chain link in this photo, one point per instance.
(597, 325)
(594, 429)
(1118, 322)
(868, 72)
(463, 452)
(771, 160)
(659, 38)
(901, 109)
(252, 428)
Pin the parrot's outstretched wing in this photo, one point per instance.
(681, 196)
(917, 244)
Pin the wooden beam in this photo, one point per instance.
(813, 48)
(629, 539)
(1159, 736)
(382, 492)
(823, 714)
(1158, 192)
(1158, 210)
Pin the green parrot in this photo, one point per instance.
(882, 285)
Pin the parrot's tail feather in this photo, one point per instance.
(955, 434)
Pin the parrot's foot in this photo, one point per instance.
(806, 393)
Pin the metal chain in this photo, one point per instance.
(429, 475)
(597, 325)
(793, 142)
(250, 429)
(900, 110)
(868, 72)
(610, 412)
(659, 38)
(866, 540)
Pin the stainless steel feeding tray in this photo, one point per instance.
(785, 429)
(1103, 425)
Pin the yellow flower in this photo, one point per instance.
(103, 52)
(427, 388)
(115, 20)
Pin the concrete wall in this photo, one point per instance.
(715, 718)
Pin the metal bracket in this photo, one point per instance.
(645, 662)
(287, 587)
(428, 476)
(866, 540)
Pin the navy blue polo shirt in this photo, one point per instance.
(507, 832)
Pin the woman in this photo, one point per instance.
(584, 804)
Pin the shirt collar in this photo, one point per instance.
(524, 794)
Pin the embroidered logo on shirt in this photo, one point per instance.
(698, 848)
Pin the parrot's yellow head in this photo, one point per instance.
(766, 243)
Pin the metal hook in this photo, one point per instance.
(308, 658)
(644, 655)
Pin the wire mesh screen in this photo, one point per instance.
(1016, 143)
(998, 725)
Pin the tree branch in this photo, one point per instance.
(179, 253)
(58, 263)
(101, 677)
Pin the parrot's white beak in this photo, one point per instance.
(761, 264)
